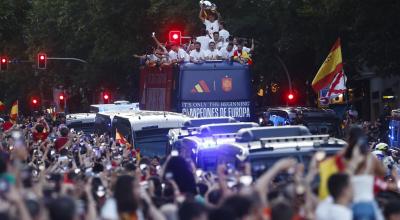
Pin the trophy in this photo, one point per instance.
(208, 6)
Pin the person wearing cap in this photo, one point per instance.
(212, 53)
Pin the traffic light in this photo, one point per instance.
(3, 63)
(175, 37)
(35, 102)
(290, 97)
(61, 99)
(42, 61)
(106, 98)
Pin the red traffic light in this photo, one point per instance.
(3, 63)
(35, 101)
(290, 96)
(61, 97)
(106, 98)
(42, 61)
(175, 37)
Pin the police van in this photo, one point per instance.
(148, 130)
(209, 89)
(209, 137)
(318, 121)
(263, 146)
(116, 106)
(394, 128)
(192, 127)
(81, 122)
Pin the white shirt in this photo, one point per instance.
(224, 34)
(204, 40)
(211, 27)
(180, 55)
(109, 210)
(212, 55)
(197, 55)
(246, 49)
(327, 210)
(219, 45)
(225, 53)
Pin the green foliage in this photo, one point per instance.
(108, 33)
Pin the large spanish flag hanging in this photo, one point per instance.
(14, 111)
(331, 66)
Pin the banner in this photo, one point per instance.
(239, 110)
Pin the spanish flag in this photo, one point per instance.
(327, 168)
(119, 138)
(2, 106)
(14, 111)
(331, 66)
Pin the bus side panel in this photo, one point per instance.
(156, 88)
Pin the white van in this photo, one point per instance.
(148, 130)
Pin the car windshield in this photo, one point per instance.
(87, 128)
(152, 142)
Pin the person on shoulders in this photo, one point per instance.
(223, 32)
(212, 53)
(197, 55)
(41, 130)
(210, 21)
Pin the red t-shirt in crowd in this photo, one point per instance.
(40, 136)
(61, 141)
(7, 125)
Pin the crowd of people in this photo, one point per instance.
(48, 171)
(214, 43)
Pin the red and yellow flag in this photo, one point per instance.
(119, 138)
(14, 111)
(2, 106)
(331, 66)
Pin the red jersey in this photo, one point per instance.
(40, 136)
(7, 125)
(60, 142)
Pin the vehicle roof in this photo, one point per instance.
(117, 112)
(116, 106)
(303, 110)
(395, 113)
(210, 65)
(225, 128)
(254, 134)
(156, 119)
(292, 143)
(80, 117)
